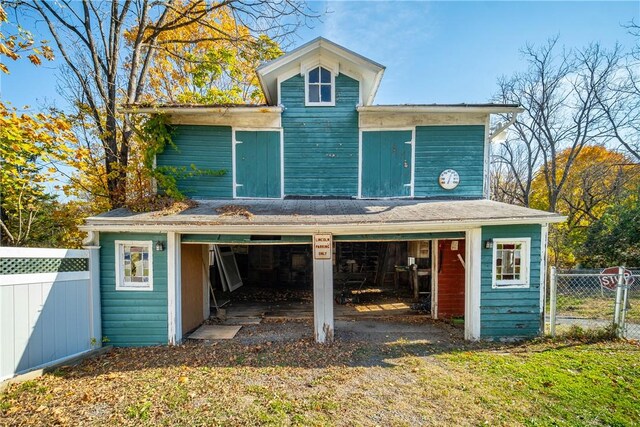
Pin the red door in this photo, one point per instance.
(450, 278)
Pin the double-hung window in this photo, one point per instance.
(134, 266)
(511, 260)
(320, 87)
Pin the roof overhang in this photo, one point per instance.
(161, 109)
(306, 217)
(443, 108)
(240, 116)
(389, 116)
(321, 51)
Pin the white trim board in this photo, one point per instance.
(473, 284)
(544, 239)
(486, 167)
(310, 229)
(174, 289)
(372, 120)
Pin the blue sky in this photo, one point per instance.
(442, 52)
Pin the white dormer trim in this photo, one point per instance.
(319, 61)
(330, 55)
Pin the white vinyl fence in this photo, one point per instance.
(49, 306)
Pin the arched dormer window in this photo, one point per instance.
(320, 87)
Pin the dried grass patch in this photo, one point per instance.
(293, 381)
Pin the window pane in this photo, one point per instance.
(325, 92)
(135, 265)
(509, 263)
(314, 75)
(314, 93)
(325, 76)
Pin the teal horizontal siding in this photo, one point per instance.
(449, 147)
(133, 318)
(320, 143)
(511, 312)
(206, 148)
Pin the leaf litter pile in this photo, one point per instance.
(287, 379)
(235, 210)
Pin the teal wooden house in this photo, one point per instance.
(323, 189)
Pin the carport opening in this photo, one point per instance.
(379, 279)
(263, 278)
(276, 280)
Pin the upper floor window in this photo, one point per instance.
(320, 87)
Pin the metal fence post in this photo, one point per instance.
(553, 285)
(623, 306)
(616, 312)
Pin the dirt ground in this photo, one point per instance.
(407, 372)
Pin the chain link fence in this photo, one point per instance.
(595, 299)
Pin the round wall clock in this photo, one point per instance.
(449, 179)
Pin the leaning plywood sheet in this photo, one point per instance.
(215, 332)
(218, 264)
(230, 267)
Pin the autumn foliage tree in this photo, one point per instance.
(600, 178)
(32, 145)
(212, 69)
(103, 69)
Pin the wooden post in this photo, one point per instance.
(473, 283)
(413, 275)
(323, 300)
(174, 290)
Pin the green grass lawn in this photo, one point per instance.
(347, 383)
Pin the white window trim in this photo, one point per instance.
(308, 103)
(524, 267)
(120, 265)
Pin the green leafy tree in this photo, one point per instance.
(614, 239)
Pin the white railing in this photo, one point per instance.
(49, 307)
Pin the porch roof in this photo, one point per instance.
(308, 216)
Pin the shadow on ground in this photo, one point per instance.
(289, 344)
